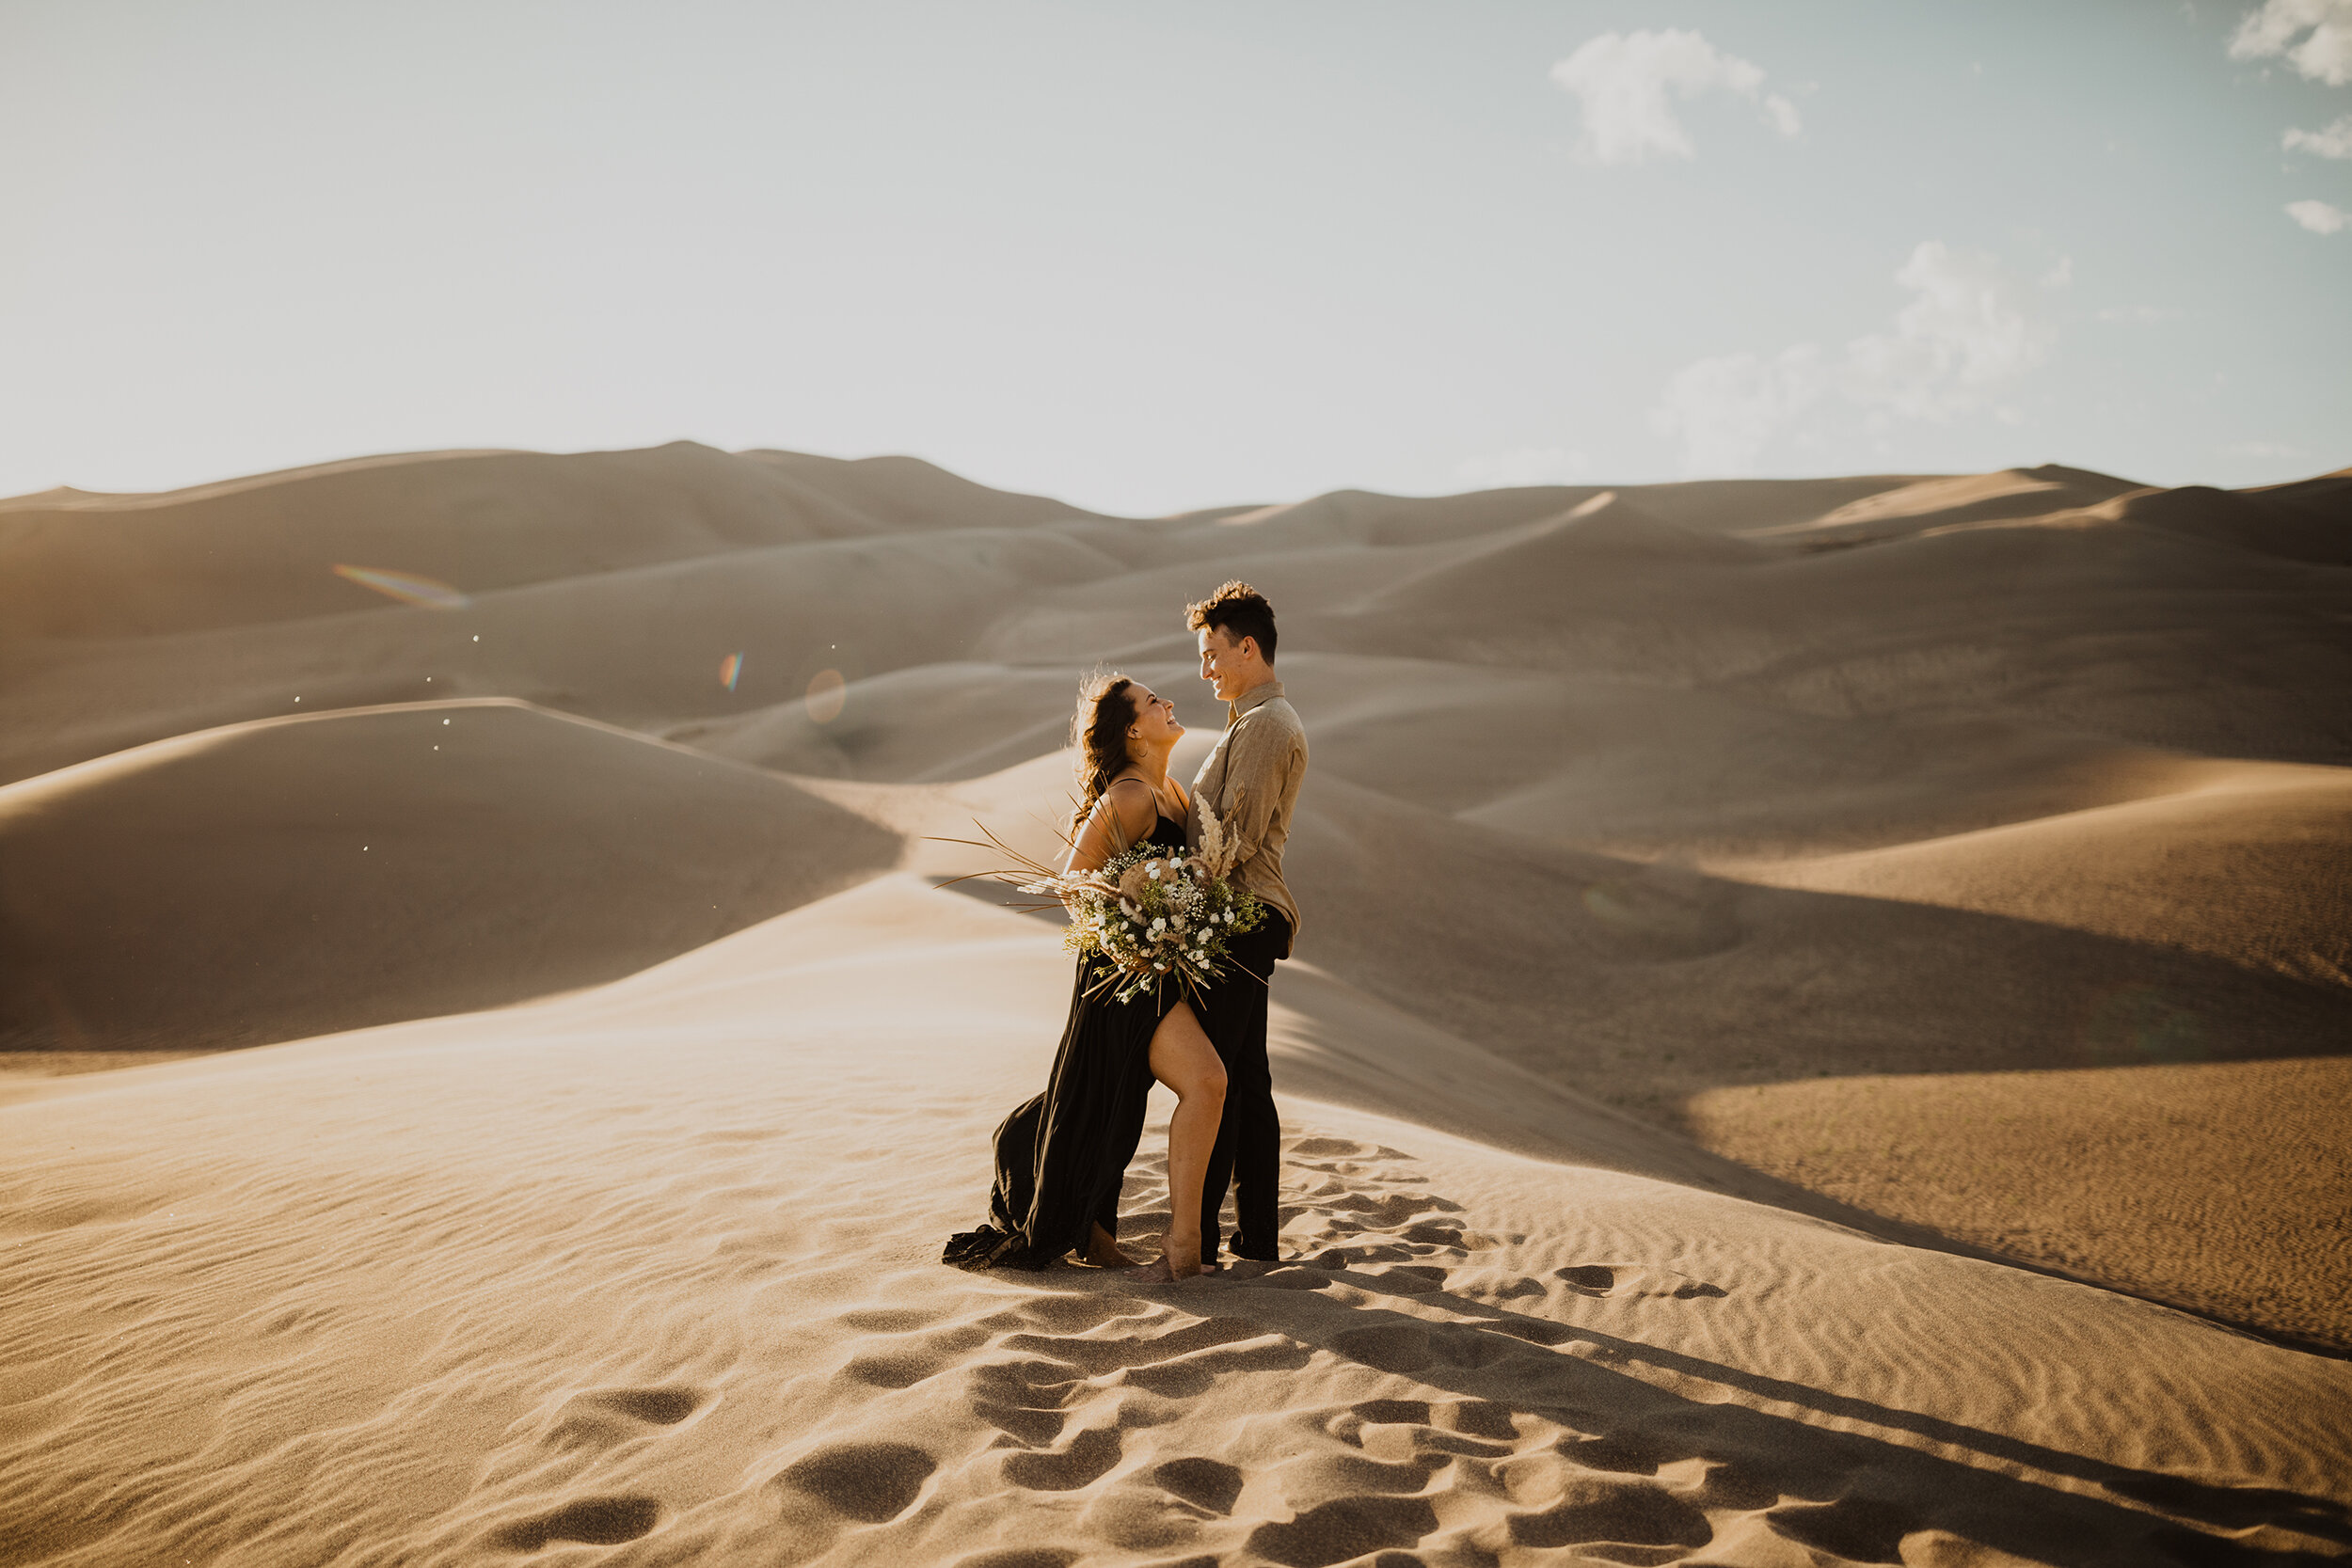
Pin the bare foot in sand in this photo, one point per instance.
(1176, 1262)
(1101, 1252)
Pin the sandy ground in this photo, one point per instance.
(647, 1276)
(1744, 922)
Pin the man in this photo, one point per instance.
(1251, 781)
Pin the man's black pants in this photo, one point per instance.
(1249, 1152)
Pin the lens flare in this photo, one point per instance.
(730, 671)
(826, 696)
(407, 587)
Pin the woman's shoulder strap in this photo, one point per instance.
(1130, 798)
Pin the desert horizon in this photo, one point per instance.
(1816, 1034)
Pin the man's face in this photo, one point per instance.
(1220, 663)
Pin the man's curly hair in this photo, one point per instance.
(1239, 611)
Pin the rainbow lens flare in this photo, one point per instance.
(407, 587)
(730, 671)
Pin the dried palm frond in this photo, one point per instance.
(1217, 847)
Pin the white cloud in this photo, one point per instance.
(2324, 29)
(2333, 142)
(1970, 328)
(2260, 448)
(1622, 80)
(1971, 324)
(2139, 316)
(1726, 410)
(2318, 216)
(1497, 471)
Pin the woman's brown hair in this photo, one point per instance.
(1099, 729)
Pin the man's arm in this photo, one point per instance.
(1259, 759)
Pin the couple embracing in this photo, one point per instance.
(1062, 1155)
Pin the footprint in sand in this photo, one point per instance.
(1206, 1484)
(1859, 1529)
(1520, 1483)
(601, 1417)
(1089, 1457)
(1404, 1348)
(655, 1406)
(1025, 1400)
(1438, 1234)
(1317, 1146)
(1600, 1513)
(1344, 1529)
(1465, 1426)
(1028, 1386)
(1603, 1280)
(598, 1521)
(1619, 1452)
(870, 1482)
(1168, 1506)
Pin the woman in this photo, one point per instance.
(1061, 1156)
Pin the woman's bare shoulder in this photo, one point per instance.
(1135, 804)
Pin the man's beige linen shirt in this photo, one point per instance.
(1251, 781)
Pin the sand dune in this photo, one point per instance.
(1942, 502)
(262, 548)
(694, 1317)
(296, 875)
(1711, 890)
(2048, 1166)
(932, 722)
(2295, 522)
(2251, 864)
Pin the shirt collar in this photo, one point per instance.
(1264, 691)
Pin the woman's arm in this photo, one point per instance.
(1121, 818)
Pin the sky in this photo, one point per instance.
(1150, 258)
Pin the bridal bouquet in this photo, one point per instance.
(1149, 914)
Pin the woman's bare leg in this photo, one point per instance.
(1183, 1058)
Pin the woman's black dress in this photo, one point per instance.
(1061, 1156)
